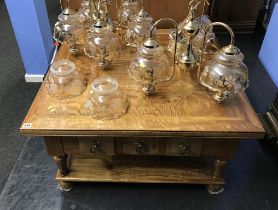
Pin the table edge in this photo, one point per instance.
(125, 133)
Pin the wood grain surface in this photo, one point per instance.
(181, 107)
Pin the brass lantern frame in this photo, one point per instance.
(204, 47)
(148, 80)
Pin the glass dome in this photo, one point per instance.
(64, 81)
(105, 100)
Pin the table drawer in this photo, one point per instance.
(97, 146)
(140, 146)
(184, 147)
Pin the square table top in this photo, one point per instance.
(181, 108)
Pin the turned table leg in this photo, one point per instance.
(219, 166)
(61, 162)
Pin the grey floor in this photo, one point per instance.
(15, 97)
(252, 178)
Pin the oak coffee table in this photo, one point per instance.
(181, 135)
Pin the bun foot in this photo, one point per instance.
(215, 189)
(64, 186)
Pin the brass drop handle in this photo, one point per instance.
(141, 147)
(97, 148)
(185, 149)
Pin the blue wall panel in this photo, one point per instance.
(32, 30)
(269, 51)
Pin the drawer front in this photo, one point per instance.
(97, 146)
(184, 147)
(140, 146)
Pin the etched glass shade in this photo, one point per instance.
(64, 81)
(150, 62)
(225, 74)
(105, 100)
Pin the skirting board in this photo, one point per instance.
(34, 77)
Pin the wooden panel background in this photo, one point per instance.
(175, 9)
(240, 15)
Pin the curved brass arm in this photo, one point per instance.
(210, 27)
(206, 3)
(193, 4)
(175, 49)
(207, 29)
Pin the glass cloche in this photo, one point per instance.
(64, 81)
(225, 74)
(105, 100)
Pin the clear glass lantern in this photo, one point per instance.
(64, 81)
(225, 74)
(139, 29)
(199, 38)
(68, 28)
(181, 42)
(102, 44)
(126, 12)
(85, 12)
(105, 100)
(100, 11)
(68, 21)
(150, 65)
